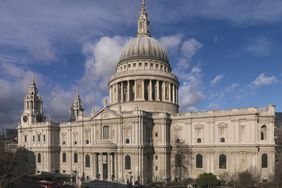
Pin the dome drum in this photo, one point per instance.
(143, 64)
(144, 90)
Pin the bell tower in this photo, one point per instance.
(33, 108)
(76, 108)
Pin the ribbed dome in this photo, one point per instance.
(143, 47)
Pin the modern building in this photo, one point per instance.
(140, 134)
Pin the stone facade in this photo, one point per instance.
(140, 135)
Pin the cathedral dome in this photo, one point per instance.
(143, 47)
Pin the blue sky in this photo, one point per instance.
(227, 54)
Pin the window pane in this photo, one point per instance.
(264, 160)
(75, 158)
(106, 132)
(199, 161)
(64, 157)
(222, 161)
(87, 161)
(127, 162)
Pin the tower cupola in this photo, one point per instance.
(33, 105)
(76, 108)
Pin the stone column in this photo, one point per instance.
(158, 90)
(94, 162)
(100, 164)
(121, 92)
(110, 94)
(164, 91)
(135, 90)
(150, 90)
(143, 90)
(109, 162)
(176, 97)
(169, 92)
(113, 164)
(116, 166)
(128, 90)
(173, 93)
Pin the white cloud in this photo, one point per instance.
(263, 80)
(43, 51)
(190, 48)
(101, 61)
(58, 103)
(171, 41)
(14, 81)
(259, 47)
(190, 92)
(216, 79)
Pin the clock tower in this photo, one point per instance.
(33, 109)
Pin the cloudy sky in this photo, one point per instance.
(227, 54)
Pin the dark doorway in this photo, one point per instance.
(105, 171)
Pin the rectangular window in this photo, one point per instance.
(33, 138)
(106, 132)
(25, 138)
(38, 138)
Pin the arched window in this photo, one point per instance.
(75, 157)
(263, 132)
(199, 140)
(127, 162)
(64, 157)
(38, 138)
(222, 140)
(87, 141)
(38, 158)
(87, 161)
(222, 161)
(199, 161)
(106, 132)
(127, 141)
(264, 161)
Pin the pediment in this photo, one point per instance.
(106, 113)
(222, 125)
(199, 126)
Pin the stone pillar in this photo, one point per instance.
(176, 97)
(113, 164)
(116, 167)
(143, 90)
(121, 92)
(110, 94)
(128, 90)
(150, 90)
(158, 90)
(135, 90)
(169, 92)
(109, 161)
(100, 164)
(164, 91)
(173, 93)
(94, 163)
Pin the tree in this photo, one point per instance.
(207, 180)
(15, 165)
(248, 178)
(181, 158)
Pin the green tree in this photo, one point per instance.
(207, 180)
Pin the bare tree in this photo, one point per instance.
(181, 158)
(14, 165)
